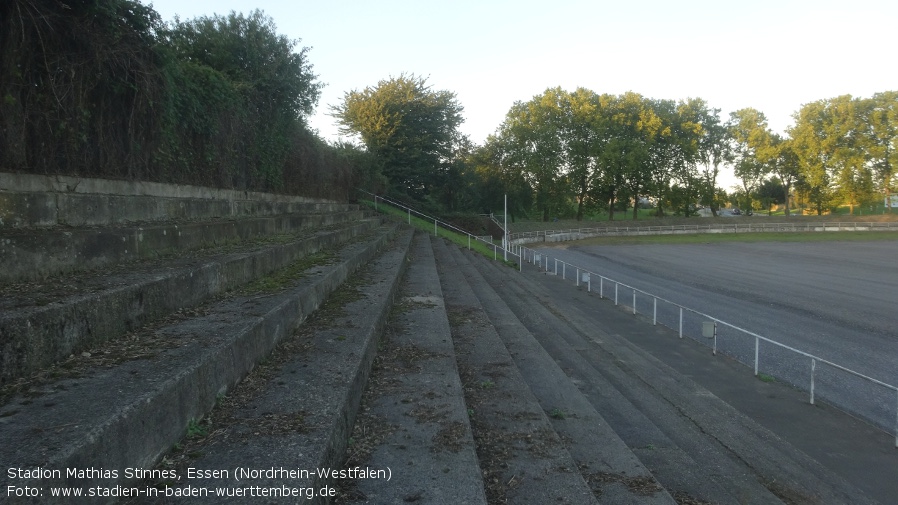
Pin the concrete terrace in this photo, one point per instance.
(169, 343)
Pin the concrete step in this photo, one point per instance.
(613, 472)
(34, 254)
(522, 457)
(295, 412)
(129, 414)
(697, 446)
(413, 418)
(45, 323)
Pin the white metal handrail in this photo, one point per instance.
(542, 262)
(437, 222)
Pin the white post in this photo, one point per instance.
(813, 367)
(616, 284)
(578, 277)
(757, 343)
(655, 313)
(681, 322)
(435, 228)
(409, 216)
(634, 301)
(469, 241)
(505, 231)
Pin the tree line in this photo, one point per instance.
(104, 88)
(574, 153)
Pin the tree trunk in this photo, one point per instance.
(611, 209)
(787, 187)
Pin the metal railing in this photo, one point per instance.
(438, 223)
(735, 349)
(585, 276)
(753, 227)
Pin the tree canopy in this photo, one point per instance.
(408, 127)
(104, 88)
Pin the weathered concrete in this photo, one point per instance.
(43, 330)
(693, 441)
(323, 387)
(39, 201)
(521, 454)
(39, 253)
(418, 393)
(614, 473)
(635, 231)
(138, 409)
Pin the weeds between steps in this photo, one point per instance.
(201, 433)
(146, 342)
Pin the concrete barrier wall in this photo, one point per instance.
(28, 201)
(569, 236)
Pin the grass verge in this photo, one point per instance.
(463, 240)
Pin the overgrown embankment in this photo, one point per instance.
(105, 89)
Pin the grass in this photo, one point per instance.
(461, 239)
(763, 377)
(283, 277)
(196, 430)
(557, 414)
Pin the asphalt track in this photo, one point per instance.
(834, 300)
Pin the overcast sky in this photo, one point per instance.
(770, 55)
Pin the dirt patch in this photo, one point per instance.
(642, 486)
(450, 437)
(684, 498)
(791, 496)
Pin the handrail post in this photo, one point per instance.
(813, 367)
(681, 322)
(757, 344)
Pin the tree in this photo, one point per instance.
(582, 146)
(753, 148)
(771, 192)
(715, 148)
(531, 136)
(239, 69)
(881, 114)
(411, 129)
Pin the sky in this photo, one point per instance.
(773, 56)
